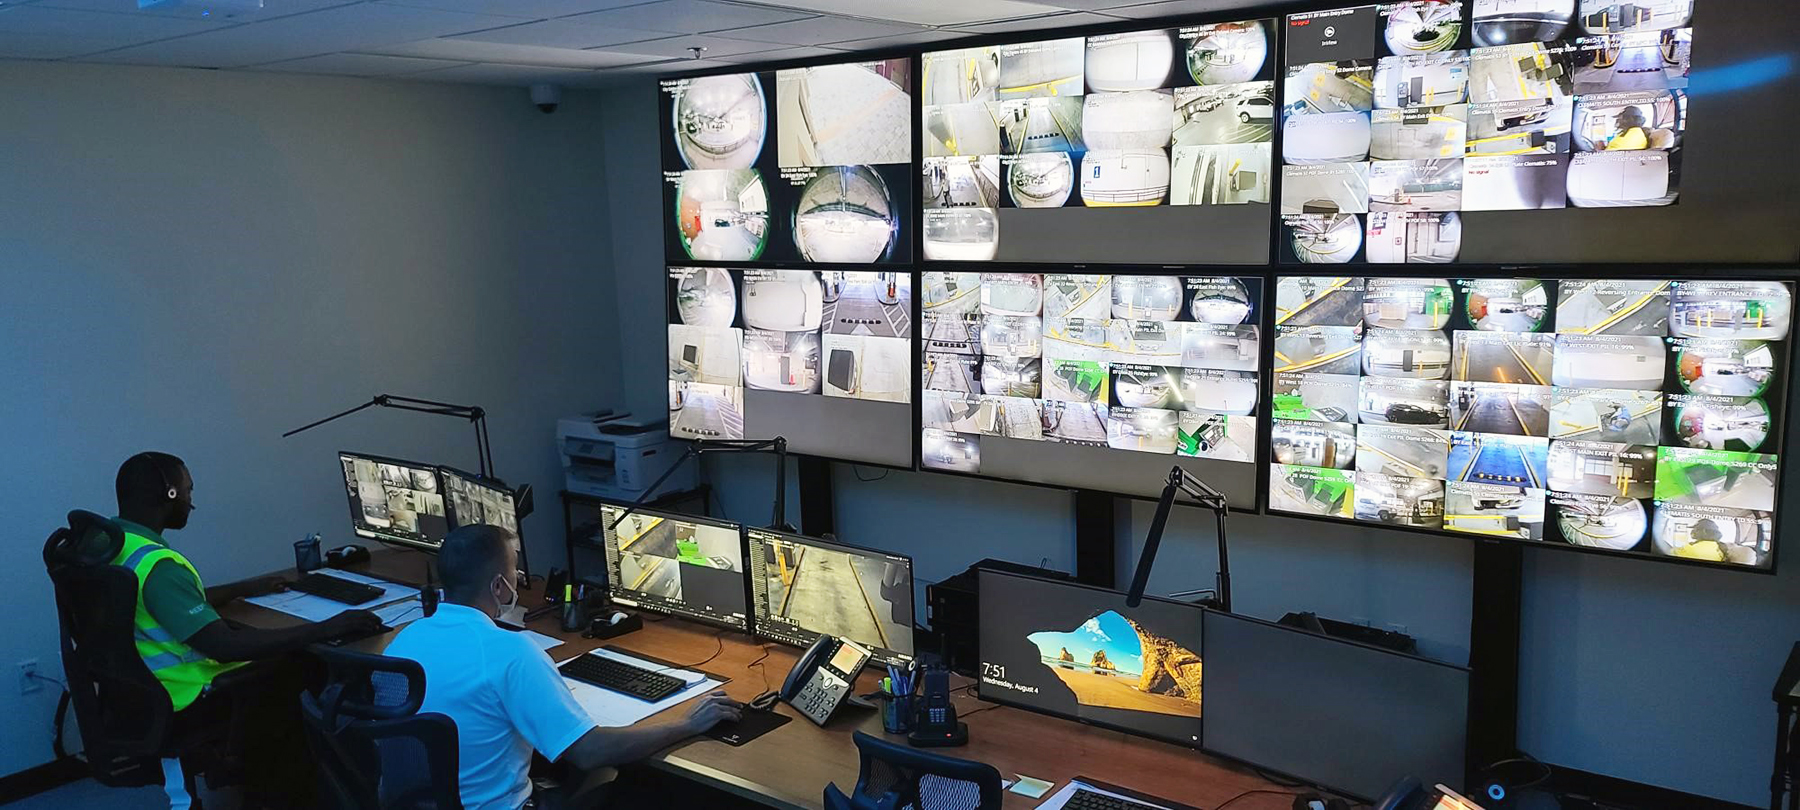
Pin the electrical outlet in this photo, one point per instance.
(28, 677)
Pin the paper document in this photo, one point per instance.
(318, 608)
(613, 710)
(542, 641)
(1061, 797)
(401, 613)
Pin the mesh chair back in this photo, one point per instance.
(905, 778)
(123, 712)
(374, 749)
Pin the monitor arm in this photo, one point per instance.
(474, 413)
(1200, 492)
(698, 447)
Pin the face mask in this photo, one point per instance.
(511, 601)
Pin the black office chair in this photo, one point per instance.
(898, 777)
(129, 727)
(375, 750)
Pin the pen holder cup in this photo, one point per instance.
(306, 556)
(897, 713)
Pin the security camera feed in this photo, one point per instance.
(1079, 652)
(803, 587)
(801, 165)
(752, 352)
(395, 501)
(1027, 145)
(1397, 116)
(675, 564)
(1625, 415)
(1152, 364)
(473, 501)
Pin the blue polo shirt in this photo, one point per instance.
(504, 695)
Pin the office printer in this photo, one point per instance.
(608, 456)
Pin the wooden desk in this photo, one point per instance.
(790, 766)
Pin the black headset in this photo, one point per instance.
(170, 491)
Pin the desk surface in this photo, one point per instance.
(790, 766)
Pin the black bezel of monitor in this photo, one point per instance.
(1552, 273)
(993, 698)
(634, 599)
(491, 484)
(761, 629)
(1205, 746)
(379, 537)
(1151, 485)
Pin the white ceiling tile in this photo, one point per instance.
(517, 8)
(1046, 21)
(786, 54)
(563, 33)
(924, 12)
(1176, 8)
(519, 75)
(346, 28)
(40, 46)
(688, 16)
(921, 37)
(121, 29)
(671, 67)
(677, 46)
(358, 64)
(1089, 5)
(196, 9)
(818, 31)
(468, 50)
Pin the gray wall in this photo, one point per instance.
(197, 261)
(1644, 671)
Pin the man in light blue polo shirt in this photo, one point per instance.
(505, 694)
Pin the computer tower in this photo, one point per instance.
(953, 611)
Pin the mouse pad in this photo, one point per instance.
(754, 724)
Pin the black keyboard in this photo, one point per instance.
(1089, 800)
(621, 677)
(337, 589)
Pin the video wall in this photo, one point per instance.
(1096, 381)
(1400, 116)
(1640, 416)
(810, 164)
(821, 358)
(1139, 147)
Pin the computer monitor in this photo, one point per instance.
(1346, 716)
(681, 565)
(1078, 652)
(395, 501)
(472, 500)
(802, 587)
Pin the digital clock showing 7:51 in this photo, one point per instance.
(992, 670)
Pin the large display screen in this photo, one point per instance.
(675, 564)
(1639, 416)
(1138, 147)
(1078, 652)
(802, 165)
(1093, 381)
(1399, 116)
(821, 358)
(802, 587)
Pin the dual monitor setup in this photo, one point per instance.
(779, 586)
(1276, 697)
(411, 504)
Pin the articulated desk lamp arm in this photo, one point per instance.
(776, 446)
(1181, 480)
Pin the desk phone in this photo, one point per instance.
(824, 676)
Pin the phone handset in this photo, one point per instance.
(824, 677)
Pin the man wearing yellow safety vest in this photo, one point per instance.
(178, 631)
